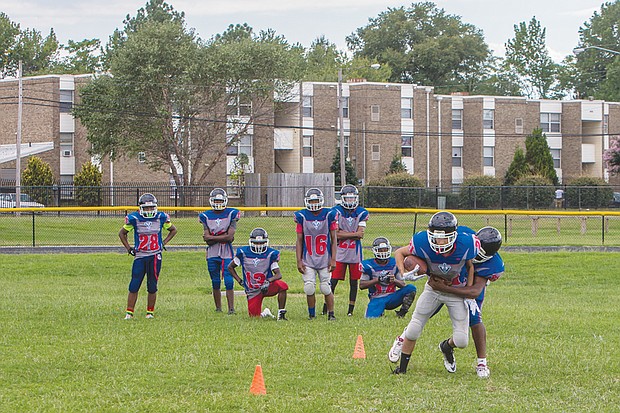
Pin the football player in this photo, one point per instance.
(261, 274)
(351, 224)
(220, 224)
(386, 288)
(315, 249)
(488, 267)
(147, 225)
(445, 253)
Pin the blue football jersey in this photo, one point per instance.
(256, 268)
(372, 269)
(317, 240)
(446, 266)
(218, 222)
(147, 232)
(350, 250)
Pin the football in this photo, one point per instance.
(411, 261)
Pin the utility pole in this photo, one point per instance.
(18, 146)
(343, 169)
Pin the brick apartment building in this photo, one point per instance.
(442, 138)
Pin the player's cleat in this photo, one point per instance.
(231, 311)
(266, 313)
(150, 315)
(400, 313)
(282, 315)
(218, 310)
(448, 356)
(483, 371)
(349, 314)
(128, 316)
(311, 317)
(397, 348)
(397, 371)
(331, 317)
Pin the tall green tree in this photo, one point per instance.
(598, 72)
(87, 184)
(82, 57)
(517, 169)
(424, 45)
(38, 176)
(528, 58)
(538, 156)
(349, 170)
(170, 92)
(9, 31)
(323, 59)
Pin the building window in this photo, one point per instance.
(605, 124)
(550, 122)
(374, 113)
(556, 154)
(66, 101)
(306, 108)
(518, 125)
(488, 117)
(345, 107)
(66, 144)
(457, 156)
(141, 157)
(457, 119)
(239, 106)
(406, 108)
(488, 156)
(376, 152)
(242, 145)
(407, 146)
(307, 146)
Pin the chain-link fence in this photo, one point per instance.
(100, 226)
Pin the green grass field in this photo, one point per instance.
(551, 320)
(52, 229)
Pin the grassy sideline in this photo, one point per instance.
(552, 325)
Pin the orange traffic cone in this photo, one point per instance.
(258, 383)
(359, 352)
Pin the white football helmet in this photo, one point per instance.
(259, 240)
(218, 199)
(381, 248)
(148, 205)
(314, 199)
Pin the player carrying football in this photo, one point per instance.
(446, 253)
(220, 224)
(261, 274)
(147, 225)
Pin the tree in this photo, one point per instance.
(528, 58)
(170, 93)
(322, 61)
(424, 45)
(350, 171)
(517, 169)
(87, 184)
(36, 52)
(82, 57)
(611, 156)
(599, 71)
(397, 166)
(39, 177)
(538, 156)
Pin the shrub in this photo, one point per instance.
(532, 192)
(400, 190)
(588, 192)
(480, 192)
(39, 177)
(88, 185)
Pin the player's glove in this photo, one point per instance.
(131, 251)
(384, 278)
(265, 287)
(413, 274)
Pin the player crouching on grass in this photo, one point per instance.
(147, 225)
(261, 274)
(381, 277)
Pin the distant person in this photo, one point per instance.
(220, 224)
(386, 288)
(261, 274)
(351, 225)
(315, 249)
(559, 198)
(147, 224)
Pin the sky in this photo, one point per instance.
(303, 21)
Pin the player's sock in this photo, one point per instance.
(404, 362)
(482, 361)
(351, 307)
(130, 311)
(324, 309)
(312, 311)
(150, 310)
